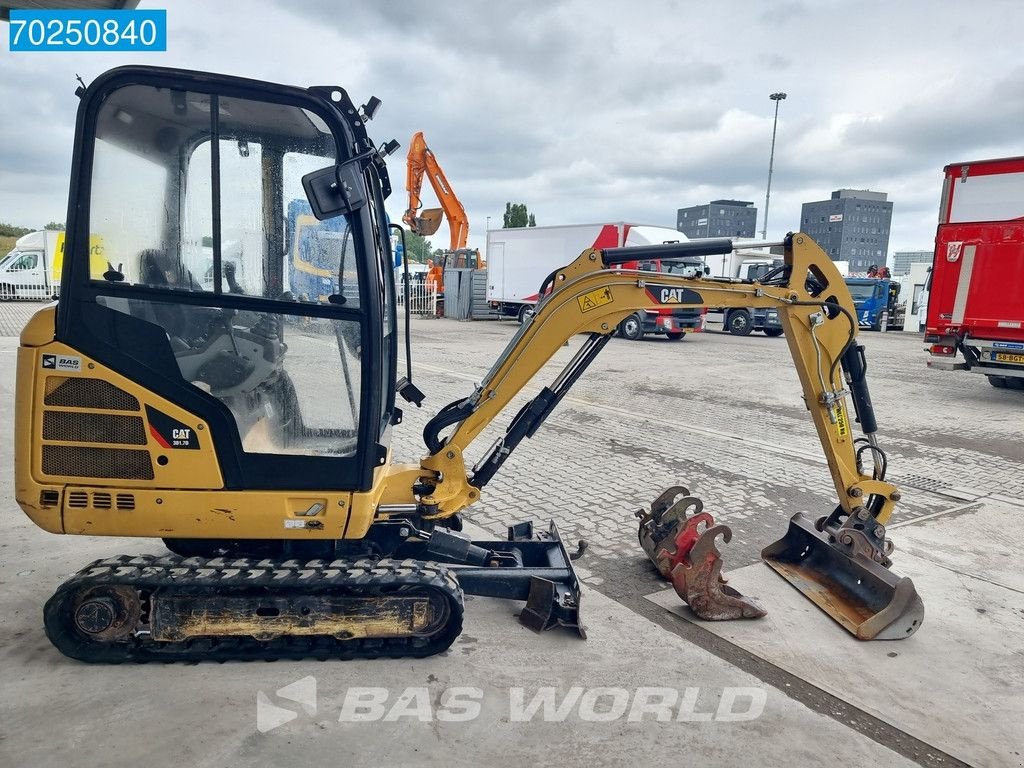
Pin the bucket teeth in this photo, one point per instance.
(682, 547)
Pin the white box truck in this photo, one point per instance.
(32, 269)
(519, 258)
(914, 296)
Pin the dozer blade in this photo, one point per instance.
(428, 221)
(867, 599)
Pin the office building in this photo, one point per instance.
(719, 218)
(901, 261)
(853, 225)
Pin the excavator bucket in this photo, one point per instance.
(428, 221)
(864, 596)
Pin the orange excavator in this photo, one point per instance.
(421, 161)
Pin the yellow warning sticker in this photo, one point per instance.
(842, 425)
(594, 299)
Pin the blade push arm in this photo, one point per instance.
(814, 306)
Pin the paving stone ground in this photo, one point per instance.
(14, 314)
(720, 414)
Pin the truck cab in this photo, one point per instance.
(746, 266)
(28, 271)
(877, 301)
(674, 323)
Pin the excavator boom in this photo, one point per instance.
(422, 162)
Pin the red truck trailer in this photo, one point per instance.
(976, 297)
(519, 258)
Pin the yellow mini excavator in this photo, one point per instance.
(182, 392)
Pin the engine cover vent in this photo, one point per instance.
(83, 392)
(107, 463)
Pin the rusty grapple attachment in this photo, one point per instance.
(679, 538)
(841, 563)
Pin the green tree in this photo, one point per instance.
(9, 230)
(419, 248)
(57, 226)
(516, 215)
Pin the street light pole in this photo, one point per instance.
(776, 97)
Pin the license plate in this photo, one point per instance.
(1005, 357)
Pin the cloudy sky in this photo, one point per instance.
(594, 110)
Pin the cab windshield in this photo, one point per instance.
(861, 291)
(201, 195)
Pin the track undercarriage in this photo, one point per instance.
(408, 604)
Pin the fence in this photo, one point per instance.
(422, 298)
(25, 277)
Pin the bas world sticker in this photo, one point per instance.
(62, 363)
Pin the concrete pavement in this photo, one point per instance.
(719, 413)
(956, 684)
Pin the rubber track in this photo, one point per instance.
(148, 573)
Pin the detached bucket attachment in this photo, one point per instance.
(844, 572)
(683, 549)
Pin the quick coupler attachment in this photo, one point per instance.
(844, 571)
(679, 538)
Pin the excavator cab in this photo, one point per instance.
(203, 194)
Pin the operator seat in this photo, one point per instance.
(157, 270)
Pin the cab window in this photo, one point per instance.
(27, 261)
(202, 194)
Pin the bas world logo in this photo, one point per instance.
(62, 362)
(459, 704)
(270, 715)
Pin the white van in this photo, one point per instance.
(32, 269)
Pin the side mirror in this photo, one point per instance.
(335, 190)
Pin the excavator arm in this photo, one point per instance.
(421, 161)
(589, 298)
(840, 560)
